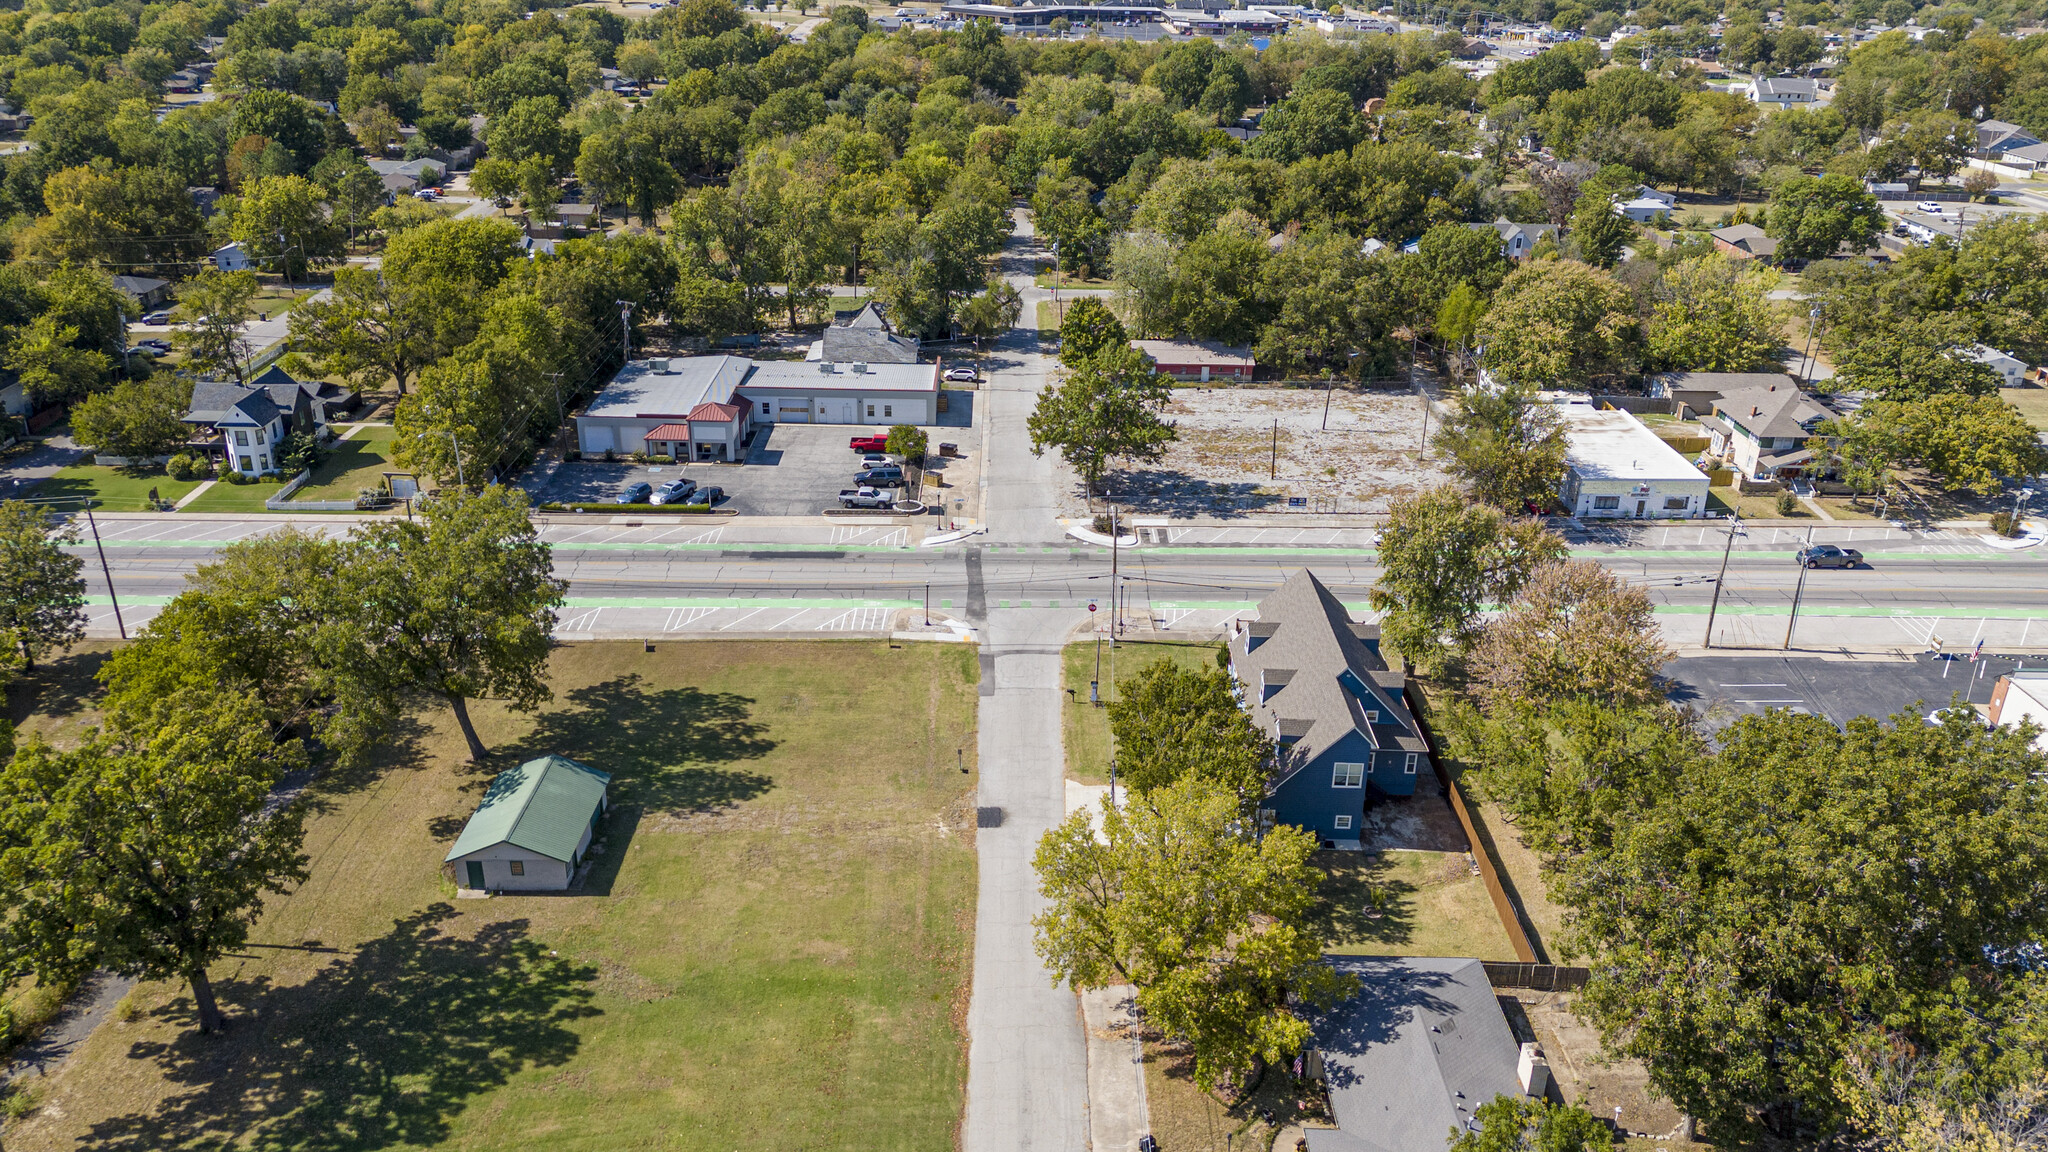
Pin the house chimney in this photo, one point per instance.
(1755, 411)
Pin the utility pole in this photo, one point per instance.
(625, 327)
(927, 605)
(106, 571)
(1273, 469)
(457, 445)
(1806, 354)
(1734, 526)
(1797, 590)
(285, 254)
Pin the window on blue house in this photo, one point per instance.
(1343, 823)
(1348, 776)
(1408, 768)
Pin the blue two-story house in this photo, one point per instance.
(1314, 681)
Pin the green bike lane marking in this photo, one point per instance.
(630, 602)
(1989, 613)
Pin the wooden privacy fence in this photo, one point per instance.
(1541, 977)
(1489, 869)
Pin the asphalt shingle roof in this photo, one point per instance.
(542, 806)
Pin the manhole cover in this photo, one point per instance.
(988, 817)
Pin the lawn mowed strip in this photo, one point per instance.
(109, 489)
(351, 465)
(1087, 725)
(772, 951)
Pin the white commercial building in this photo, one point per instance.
(705, 407)
(2022, 695)
(1618, 469)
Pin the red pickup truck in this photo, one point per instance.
(869, 443)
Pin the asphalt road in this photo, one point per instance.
(1723, 689)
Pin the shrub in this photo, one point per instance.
(1101, 524)
(2005, 524)
(182, 467)
(1787, 503)
(235, 477)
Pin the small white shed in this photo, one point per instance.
(532, 830)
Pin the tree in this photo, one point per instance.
(1811, 217)
(1211, 925)
(1506, 446)
(1173, 723)
(217, 304)
(1598, 232)
(1712, 316)
(1576, 630)
(494, 178)
(1443, 559)
(460, 604)
(147, 849)
(994, 312)
(1914, 360)
(42, 595)
(137, 419)
(1107, 408)
(1514, 1123)
(1963, 441)
(1803, 893)
(1457, 320)
(357, 196)
(1557, 324)
(1088, 329)
(373, 327)
(45, 354)
(910, 442)
(283, 222)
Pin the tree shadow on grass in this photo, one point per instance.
(1352, 881)
(63, 685)
(667, 751)
(382, 1048)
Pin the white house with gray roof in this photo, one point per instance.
(245, 423)
(1617, 469)
(864, 337)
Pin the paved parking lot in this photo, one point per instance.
(790, 470)
(1724, 688)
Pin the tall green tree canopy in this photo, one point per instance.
(1507, 447)
(1172, 723)
(1106, 409)
(1443, 559)
(42, 591)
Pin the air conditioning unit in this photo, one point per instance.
(660, 366)
(859, 369)
(824, 367)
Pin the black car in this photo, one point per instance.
(709, 495)
(881, 478)
(635, 494)
(1829, 556)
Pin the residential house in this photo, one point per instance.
(1745, 242)
(146, 292)
(1693, 393)
(1200, 360)
(575, 215)
(1617, 469)
(1763, 431)
(232, 258)
(2020, 696)
(1784, 91)
(420, 171)
(1995, 138)
(1644, 209)
(532, 830)
(204, 198)
(1315, 682)
(2026, 160)
(1517, 241)
(1415, 1054)
(246, 423)
(863, 336)
(2012, 371)
(185, 80)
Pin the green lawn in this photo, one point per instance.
(2032, 401)
(1086, 725)
(111, 489)
(1049, 315)
(1430, 904)
(351, 465)
(773, 951)
(226, 497)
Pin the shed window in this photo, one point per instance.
(1672, 503)
(1408, 768)
(1347, 776)
(767, 408)
(1606, 501)
(519, 867)
(1343, 823)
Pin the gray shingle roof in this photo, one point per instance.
(1306, 635)
(213, 400)
(1420, 1047)
(1782, 411)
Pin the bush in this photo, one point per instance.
(2005, 524)
(182, 467)
(235, 477)
(1101, 524)
(1787, 502)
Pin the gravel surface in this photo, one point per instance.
(1224, 464)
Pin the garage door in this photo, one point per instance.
(598, 439)
(793, 410)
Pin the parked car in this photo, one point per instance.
(875, 460)
(676, 491)
(1928, 206)
(887, 476)
(967, 374)
(635, 493)
(1829, 556)
(868, 443)
(427, 194)
(711, 494)
(161, 316)
(866, 496)
(160, 347)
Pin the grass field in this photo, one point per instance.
(1523, 873)
(1049, 315)
(226, 497)
(1086, 725)
(1430, 904)
(2032, 403)
(772, 952)
(111, 489)
(351, 465)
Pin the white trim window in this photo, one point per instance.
(1372, 716)
(1347, 775)
(1343, 823)
(1408, 764)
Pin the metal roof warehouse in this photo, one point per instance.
(647, 395)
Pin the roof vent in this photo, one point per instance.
(824, 367)
(859, 369)
(1755, 411)
(661, 366)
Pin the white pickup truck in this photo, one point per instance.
(865, 497)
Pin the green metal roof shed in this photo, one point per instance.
(543, 806)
